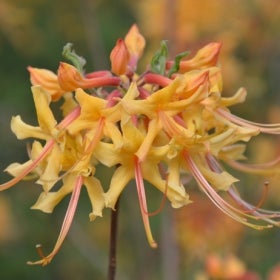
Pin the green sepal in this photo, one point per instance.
(159, 59)
(78, 61)
(175, 67)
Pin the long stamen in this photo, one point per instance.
(96, 137)
(65, 225)
(143, 202)
(162, 203)
(69, 118)
(264, 168)
(256, 211)
(46, 150)
(40, 252)
(224, 206)
(261, 201)
(265, 128)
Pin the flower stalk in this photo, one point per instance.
(113, 242)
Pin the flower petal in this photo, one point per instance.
(96, 195)
(45, 116)
(119, 180)
(23, 130)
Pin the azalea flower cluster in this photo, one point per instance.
(164, 126)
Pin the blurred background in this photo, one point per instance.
(195, 242)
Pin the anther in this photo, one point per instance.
(40, 252)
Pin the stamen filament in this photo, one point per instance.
(224, 206)
(40, 252)
(65, 225)
(265, 128)
(69, 118)
(96, 137)
(143, 203)
(260, 203)
(46, 150)
(264, 168)
(162, 203)
(256, 211)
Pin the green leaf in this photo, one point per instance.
(175, 67)
(78, 61)
(159, 59)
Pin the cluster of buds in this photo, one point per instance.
(165, 125)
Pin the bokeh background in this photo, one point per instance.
(194, 242)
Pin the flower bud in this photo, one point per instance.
(135, 43)
(70, 78)
(119, 58)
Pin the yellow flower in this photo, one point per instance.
(62, 157)
(129, 167)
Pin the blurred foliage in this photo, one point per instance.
(33, 32)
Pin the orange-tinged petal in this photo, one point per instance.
(47, 80)
(69, 77)
(205, 57)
